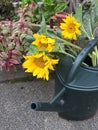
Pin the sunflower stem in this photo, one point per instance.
(82, 28)
(65, 42)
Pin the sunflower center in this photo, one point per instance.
(39, 62)
(71, 28)
(44, 45)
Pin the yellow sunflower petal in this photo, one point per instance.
(70, 27)
(41, 41)
(39, 64)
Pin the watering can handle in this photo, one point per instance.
(82, 55)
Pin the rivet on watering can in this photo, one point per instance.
(62, 102)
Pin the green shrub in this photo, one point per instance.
(6, 9)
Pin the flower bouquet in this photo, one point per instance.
(48, 45)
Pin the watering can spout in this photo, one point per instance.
(46, 106)
(40, 106)
(43, 106)
(53, 105)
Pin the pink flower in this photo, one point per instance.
(1, 37)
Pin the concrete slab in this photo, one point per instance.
(16, 114)
(15, 74)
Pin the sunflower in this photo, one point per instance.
(39, 64)
(70, 27)
(43, 42)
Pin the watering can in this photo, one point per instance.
(76, 88)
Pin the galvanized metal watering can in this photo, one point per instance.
(76, 88)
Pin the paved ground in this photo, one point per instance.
(16, 114)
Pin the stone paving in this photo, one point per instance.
(16, 113)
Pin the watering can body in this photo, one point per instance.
(81, 95)
(76, 88)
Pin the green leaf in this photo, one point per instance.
(94, 14)
(58, 47)
(43, 29)
(22, 37)
(78, 14)
(30, 39)
(19, 48)
(90, 18)
(95, 2)
(60, 7)
(1, 47)
(48, 2)
(15, 31)
(52, 34)
(33, 49)
(36, 1)
(87, 24)
(27, 44)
